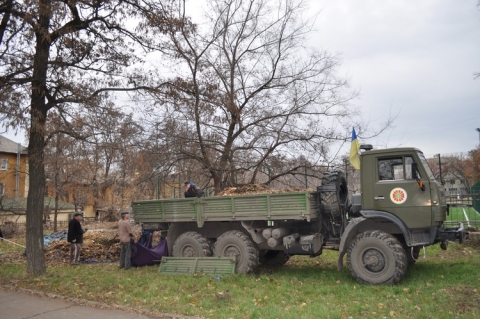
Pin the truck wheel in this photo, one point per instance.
(235, 243)
(375, 257)
(191, 244)
(273, 258)
(337, 198)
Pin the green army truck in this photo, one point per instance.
(401, 209)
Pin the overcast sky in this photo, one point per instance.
(411, 58)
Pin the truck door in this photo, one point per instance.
(397, 191)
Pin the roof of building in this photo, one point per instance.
(9, 146)
(20, 204)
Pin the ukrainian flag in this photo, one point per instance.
(354, 148)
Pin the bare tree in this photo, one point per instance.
(473, 165)
(60, 169)
(105, 156)
(66, 55)
(455, 169)
(250, 91)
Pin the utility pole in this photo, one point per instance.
(478, 130)
(440, 168)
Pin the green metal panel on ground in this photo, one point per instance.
(190, 265)
(278, 206)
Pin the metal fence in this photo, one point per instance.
(11, 229)
(464, 209)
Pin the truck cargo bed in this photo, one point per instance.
(278, 206)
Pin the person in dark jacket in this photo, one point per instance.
(192, 191)
(75, 237)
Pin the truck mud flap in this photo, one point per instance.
(191, 265)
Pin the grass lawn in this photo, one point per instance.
(443, 285)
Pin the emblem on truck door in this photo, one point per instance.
(398, 195)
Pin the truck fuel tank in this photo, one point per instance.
(303, 245)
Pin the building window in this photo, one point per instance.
(2, 189)
(4, 164)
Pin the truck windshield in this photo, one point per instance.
(425, 165)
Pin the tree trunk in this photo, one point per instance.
(217, 178)
(36, 194)
(36, 146)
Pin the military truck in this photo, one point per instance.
(401, 208)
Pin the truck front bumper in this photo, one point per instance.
(452, 234)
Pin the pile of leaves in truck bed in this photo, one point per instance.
(258, 189)
(99, 246)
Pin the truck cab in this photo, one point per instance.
(399, 182)
(400, 201)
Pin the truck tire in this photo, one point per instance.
(375, 257)
(191, 244)
(235, 243)
(336, 199)
(273, 258)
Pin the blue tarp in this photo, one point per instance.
(60, 235)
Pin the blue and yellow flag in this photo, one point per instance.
(354, 148)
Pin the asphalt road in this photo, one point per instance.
(22, 305)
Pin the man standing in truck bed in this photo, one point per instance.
(192, 191)
(125, 234)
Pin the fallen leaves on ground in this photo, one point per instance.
(99, 245)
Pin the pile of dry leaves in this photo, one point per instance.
(258, 189)
(99, 246)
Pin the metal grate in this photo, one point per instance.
(463, 209)
(190, 265)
